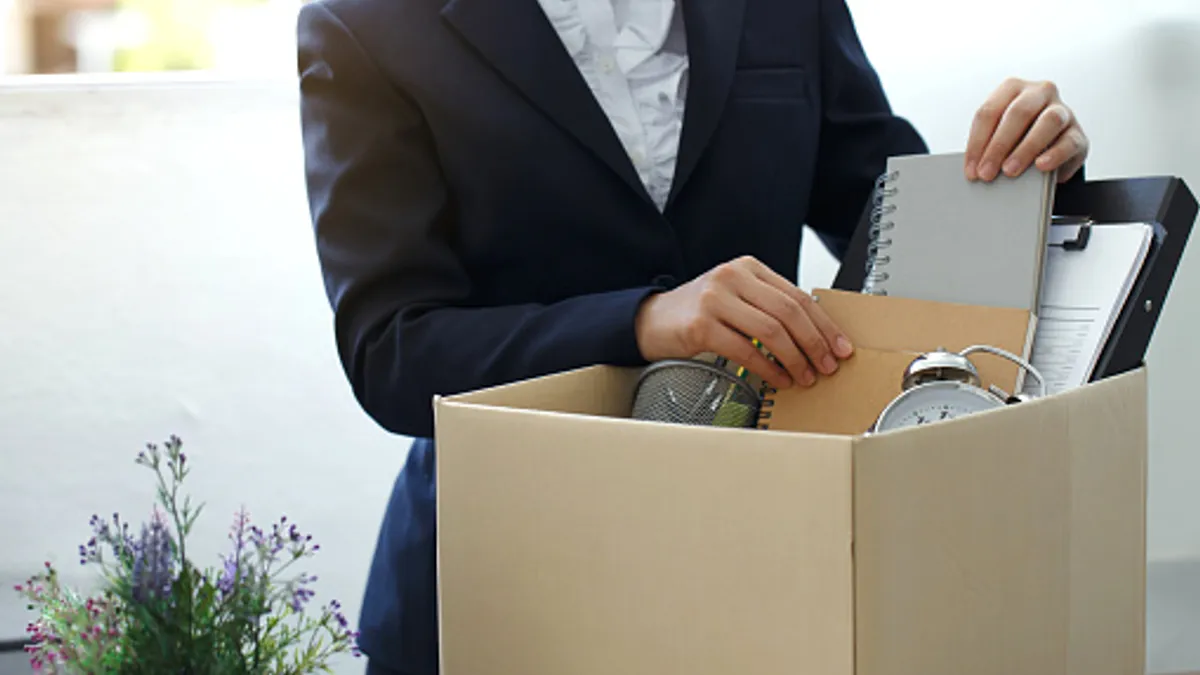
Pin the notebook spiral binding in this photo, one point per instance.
(877, 234)
(767, 396)
(878, 239)
(764, 412)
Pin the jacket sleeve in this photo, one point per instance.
(404, 327)
(858, 131)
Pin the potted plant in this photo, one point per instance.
(157, 612)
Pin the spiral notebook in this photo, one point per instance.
(937, 236)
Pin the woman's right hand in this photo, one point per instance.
(720, 311)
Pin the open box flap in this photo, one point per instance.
(888, 334)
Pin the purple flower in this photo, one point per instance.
(149, 457)
(334, 609)
(301, 594)
(236, 567)
(115, 534)
(153, 562)
(282, 537)
(233, 572)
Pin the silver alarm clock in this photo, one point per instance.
(944, 385)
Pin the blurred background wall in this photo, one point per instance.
(98, 36)
(157, 272)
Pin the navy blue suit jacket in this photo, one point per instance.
(478, 222)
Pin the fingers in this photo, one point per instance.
(795, 300)
(1024, 124)
(724, 323)
(793, 326)
(724, 303)
(730, 343)
(1067, 154)
(749, 320)
(1015, 121)
(788, 322)
(1049, 126)
(795, 342)
(1068, 170)
(987, 118)
(746, 299)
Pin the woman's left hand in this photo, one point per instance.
(1024, 124)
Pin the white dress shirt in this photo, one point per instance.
(633, 56)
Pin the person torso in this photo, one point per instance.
(537, 179)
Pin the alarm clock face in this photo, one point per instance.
(935, 402)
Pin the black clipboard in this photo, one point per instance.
(1165, 202)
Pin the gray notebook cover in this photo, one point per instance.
(953, 240)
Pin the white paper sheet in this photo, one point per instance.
(1083, 294)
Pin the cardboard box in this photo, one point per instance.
(574, 541)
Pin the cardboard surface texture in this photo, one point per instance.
(888, 333)
(574, 541)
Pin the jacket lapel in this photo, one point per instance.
(516, 38)
(714, 31)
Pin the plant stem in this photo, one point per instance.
(185, 576)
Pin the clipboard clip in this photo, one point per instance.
(1082, 236)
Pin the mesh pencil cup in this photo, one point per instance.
(690, 391)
